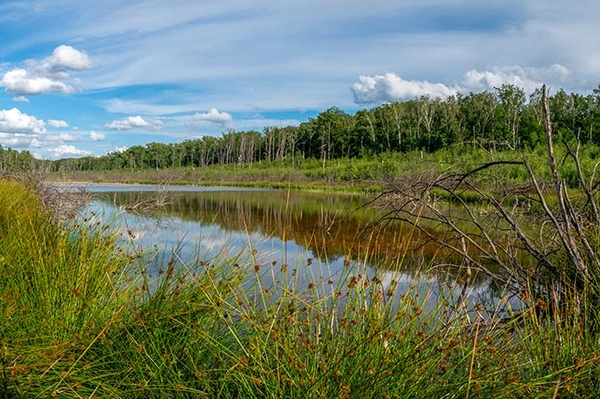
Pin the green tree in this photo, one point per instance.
(477, 114)
(508, 115)
(363, 137)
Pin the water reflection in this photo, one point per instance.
(326, 224)
(318, 239)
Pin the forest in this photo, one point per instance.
(501, 120)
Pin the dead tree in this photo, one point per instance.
(544, 246)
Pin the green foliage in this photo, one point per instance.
(12, 160)
(358, 173)
(57, 288)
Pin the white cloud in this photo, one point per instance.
(390, 87)
(25, 132)
(21, 99)
(50, 75)
(214, 116)
(14, 121)
(66, 137)
(130, 107)
(133, 122)
(36, 143)
(528, 78)
(94, 136)
(23, 82)
(57, 123)
(67, 150)
(12, 140)
(66, 58)
(24, 141)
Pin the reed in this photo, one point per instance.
(59, 286)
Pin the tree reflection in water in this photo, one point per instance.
(314, 239)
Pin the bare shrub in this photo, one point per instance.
(147, 202)
(63, 202)
(536, 240)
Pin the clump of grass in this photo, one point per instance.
(58, 286)
(215, 330)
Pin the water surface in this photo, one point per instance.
(318, 238)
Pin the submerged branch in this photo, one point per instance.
(150, 202)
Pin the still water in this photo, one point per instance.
(319, 238)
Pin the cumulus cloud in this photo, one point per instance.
(528, 78)
(65, 137)
(94, 136)
(21, 131)
(14, 121)
(13, 141)
(67, 150)
(133, 122)
(26, 132)
(21, 81)
(129, 123)
(50, 75)
(24, 141)
(65, 58)
(391, 87)
(214, 116)
(36, 143)
(57, 123)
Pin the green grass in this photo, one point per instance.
(77, 321)
(59, 288)
(344, 172)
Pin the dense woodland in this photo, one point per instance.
(503, 119)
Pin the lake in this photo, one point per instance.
(318, 239)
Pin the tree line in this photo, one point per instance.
(12, 160)
(502, 119)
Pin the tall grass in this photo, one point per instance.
(59, 286)
(75, 323)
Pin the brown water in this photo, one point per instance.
(315, 236)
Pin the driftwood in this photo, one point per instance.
(150, 201)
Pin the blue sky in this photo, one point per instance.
(81, 77)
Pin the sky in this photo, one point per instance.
(80, 77)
